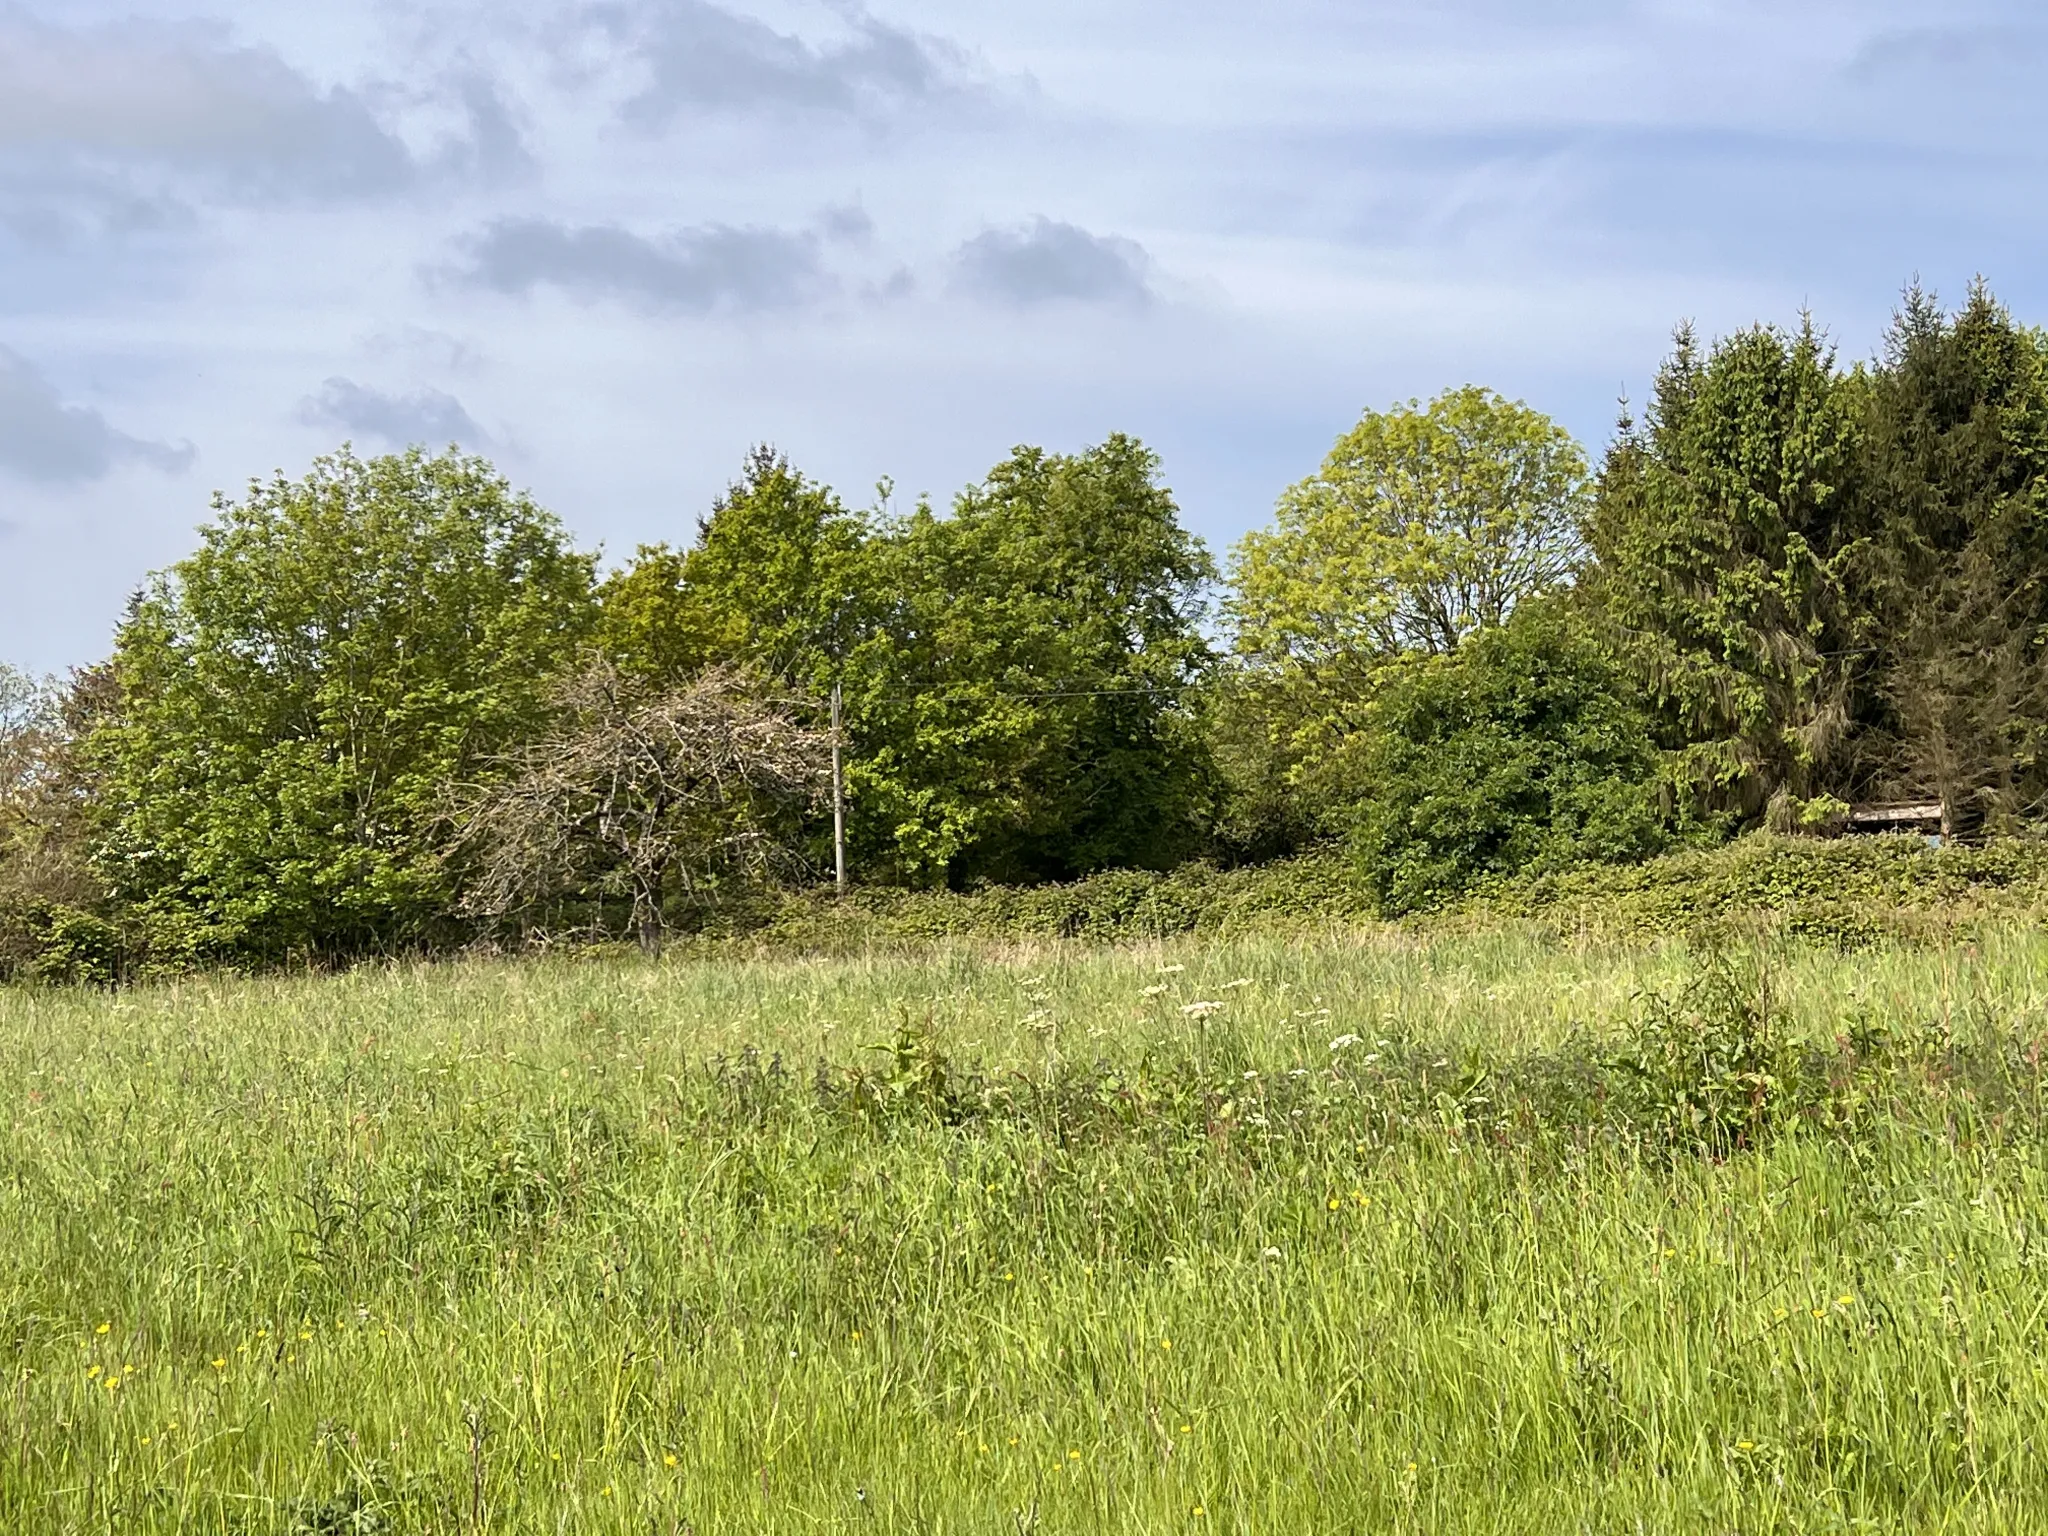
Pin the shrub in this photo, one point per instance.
(1520, 750)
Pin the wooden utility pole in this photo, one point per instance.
(838, 802)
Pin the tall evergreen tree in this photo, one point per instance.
(1728, 533)
(1957, 454)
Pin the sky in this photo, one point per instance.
(612, 245)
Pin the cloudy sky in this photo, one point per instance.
(612, 244)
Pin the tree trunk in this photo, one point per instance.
(647, 923)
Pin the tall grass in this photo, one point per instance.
(1479, 1235)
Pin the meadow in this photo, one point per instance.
(1368, 1231)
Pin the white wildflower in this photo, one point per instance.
(1201, 1010)
(1158, 991)
(1232, 986)
(1171, 970)
(1343, 1042)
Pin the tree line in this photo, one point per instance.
(390, 705)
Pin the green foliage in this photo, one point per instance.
(777, 582)
(298, 698)
(1710, 1069)
(1018, 711)
(1727, 531)
(1520, 750)
(1424, 528)
(1957, 449)
(1849, 894)
(1423, 525)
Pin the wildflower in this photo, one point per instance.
(1198, 1511)
(1845, 1301)
(1335, 1202)
(1166, 1343)
(1232, 986)
(1158, 991)
(1820, 1312)
(104, 1328)
(1745, 1445)
(669, 1460)
(1171, 970)
(219, 1364)
(92, 1373)
(1073, 1455)
(1343, 1042)
(1201, 1010)
(1187, 1429)
(1269, 1253)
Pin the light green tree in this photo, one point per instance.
(1424, 524)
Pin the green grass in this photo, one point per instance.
(1571, 1238)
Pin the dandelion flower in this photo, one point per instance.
(219, 1364)
(1198, 1511)
(1187, 1429)
(1335, 1202)
(668, 1461)
(1166, 1343)
(1073, 1455)
(104, 1328)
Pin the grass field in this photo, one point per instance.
(1485, 1233)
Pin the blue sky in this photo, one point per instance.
(612, 244)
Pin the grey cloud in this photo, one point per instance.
(1916, 53)
(696, 55)
(496, 148)
(1046, 262)
(427, 416)
(183, 98)
(698, 270)
(849, 222)
(43, 439)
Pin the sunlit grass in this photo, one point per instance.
(604, 1246)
